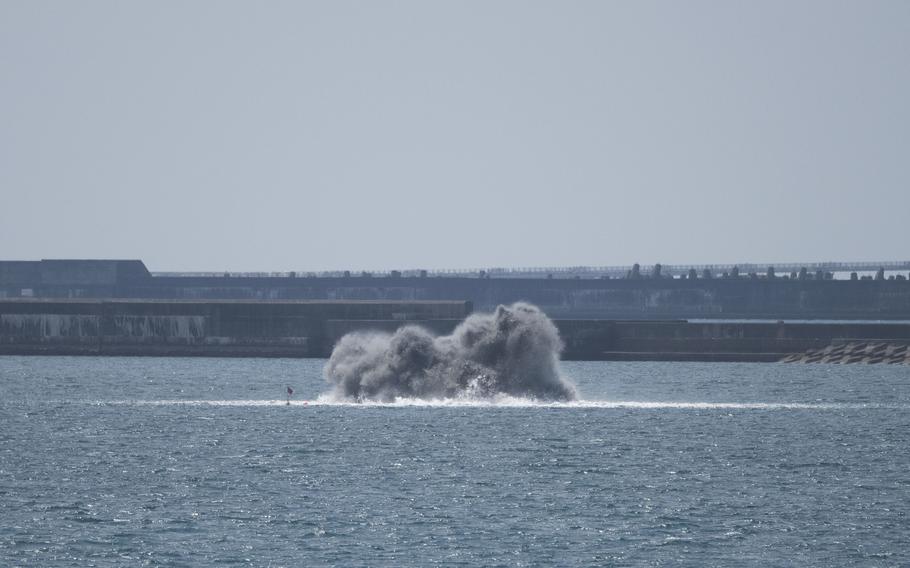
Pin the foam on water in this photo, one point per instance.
(502, 402)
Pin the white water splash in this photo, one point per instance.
(502, 402)
(513, 351)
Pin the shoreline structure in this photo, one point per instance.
(234, 328)
(118, 307)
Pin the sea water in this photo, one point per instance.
(200, 462)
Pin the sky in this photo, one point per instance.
(268, 136)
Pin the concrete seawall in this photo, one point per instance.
(739, 297)
(715, 341)
(310, 329)
(202, 328)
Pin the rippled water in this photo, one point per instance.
(199, 462)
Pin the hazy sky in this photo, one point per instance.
(289, 135)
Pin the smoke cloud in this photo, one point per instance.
(513, 351)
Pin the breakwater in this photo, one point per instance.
(203, 328)
(655, 296)
(846, 352)
(726, 341)
(311, 329)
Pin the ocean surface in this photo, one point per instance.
(199, 462)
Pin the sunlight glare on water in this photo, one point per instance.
(202, 462)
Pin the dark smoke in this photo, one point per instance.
(513, 351)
